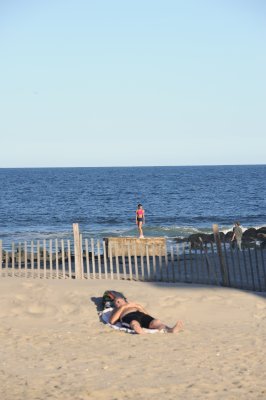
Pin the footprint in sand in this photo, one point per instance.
(211, 298)
(69, 308)
(261, 306)
(260, 315)
(39, 309)
(28, 285)
(173, 301)
(20, 297)
(36, 309)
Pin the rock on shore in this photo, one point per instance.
(250, 237)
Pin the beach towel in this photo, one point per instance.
(105, 317)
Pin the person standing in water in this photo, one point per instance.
(140, 219)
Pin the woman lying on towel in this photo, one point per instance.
(133, 315)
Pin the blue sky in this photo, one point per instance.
(124, 83)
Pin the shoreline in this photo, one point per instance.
(250, 234)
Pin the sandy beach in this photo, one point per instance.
(53, 345)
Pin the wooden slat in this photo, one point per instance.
(215, 269)
(51, 258)
(234, 277)
(38, 259)
(19, 258)
(117, 262)
(257, 269)
(44, 258)
(99, 259)
(160, 263)
(87, 258)
(178, 262)
(246, 286)
(26, 259)
(172, 263)
(202, 265)
(226, 262)
(111, 262)
(81, 257)
(69, 259)
(185, 261)
(154, 265)
(93, 259)
(63, 258)
(190, 263)
(148, 262)
(124, 262)
(136, 262)
(7, 261)
(142, 264)
(129, 262)
(166, 263)
(105, 260)
(263, 269)
(239, 268)
(32, 259)
(207, 261)
(197, 266)
(251, 270)
(56, 259)
(13, 259)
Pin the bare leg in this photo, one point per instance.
(135, 325)
(157, 324)
(140, 229)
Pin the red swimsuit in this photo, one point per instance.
(140, 214)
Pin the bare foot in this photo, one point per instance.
(177, 327)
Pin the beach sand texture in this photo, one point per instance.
(53, 346)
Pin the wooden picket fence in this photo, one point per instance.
(83, 258)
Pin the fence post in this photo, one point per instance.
(225, 281)
(77, 251)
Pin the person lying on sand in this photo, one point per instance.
(133, 315)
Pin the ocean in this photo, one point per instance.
(43, 203)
